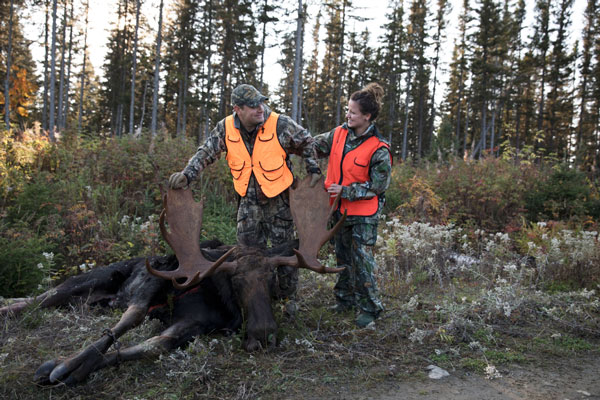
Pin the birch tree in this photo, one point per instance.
(156, 70)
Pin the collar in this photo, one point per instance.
(371, 130)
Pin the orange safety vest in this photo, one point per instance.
(267, 161)
(351, 167)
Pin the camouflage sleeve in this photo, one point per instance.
(323, 143)
(296, 140)
(208, 152)
(380, 171)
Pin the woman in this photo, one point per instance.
(359, 168)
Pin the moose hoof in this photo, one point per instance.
(42, 375)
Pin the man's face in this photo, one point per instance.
(250, 117)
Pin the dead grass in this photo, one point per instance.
(320, 354)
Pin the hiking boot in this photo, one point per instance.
(364, 319)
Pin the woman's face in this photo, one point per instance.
(356, 120)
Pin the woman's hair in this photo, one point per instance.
(369, 99)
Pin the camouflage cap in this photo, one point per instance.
(246, 95)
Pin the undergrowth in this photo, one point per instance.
(475, 272)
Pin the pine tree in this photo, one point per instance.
(419, 63)
(440, 18)
(486, 67)
(559, 102)
(311, 81)
(133, 67)
(585, 129)
(394, 42)
(456, 102)
(540, 47)
(82, 83)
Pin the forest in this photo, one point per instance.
(488, 250)
(506, 83)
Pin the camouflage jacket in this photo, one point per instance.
(293, 138)
(380, 169)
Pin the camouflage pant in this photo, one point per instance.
(356, 285)
(268, 222)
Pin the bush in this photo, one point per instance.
(565, 194)
(23, 266)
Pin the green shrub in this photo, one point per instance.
(23, 265)
(565, 194)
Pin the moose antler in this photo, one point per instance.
(184, 216)
(311, 212)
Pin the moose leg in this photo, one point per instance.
(171, 338)
(97, 284)
(77, 367)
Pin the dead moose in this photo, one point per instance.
(212, 287)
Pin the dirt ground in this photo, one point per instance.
(561, 379)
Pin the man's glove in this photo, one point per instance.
(178, 180)
(314, 179)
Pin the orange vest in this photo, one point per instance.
(267, 161)
(351, 167)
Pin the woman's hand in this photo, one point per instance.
(334, 189)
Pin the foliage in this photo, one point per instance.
(21, 92)
(93, 201)
(565, 193)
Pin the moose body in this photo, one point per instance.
(224, 287)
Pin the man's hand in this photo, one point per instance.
(178, 180)
(314, 179)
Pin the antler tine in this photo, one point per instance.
(184, 215)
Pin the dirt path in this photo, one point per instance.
(572, 379)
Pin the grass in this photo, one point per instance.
(318, 352)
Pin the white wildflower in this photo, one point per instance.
(491, 372)
(417, 336)
(510, 268)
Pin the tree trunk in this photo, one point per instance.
(297, 60)
(338, 97)
(53, 73)
(61, 85)
(82, 84)
(46, 46)
(68, 83)
(8, 66)
(405, 132)
(133, 67)
(204, 126)
(156, 71)
(143, 107)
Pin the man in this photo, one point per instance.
(257, 142)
